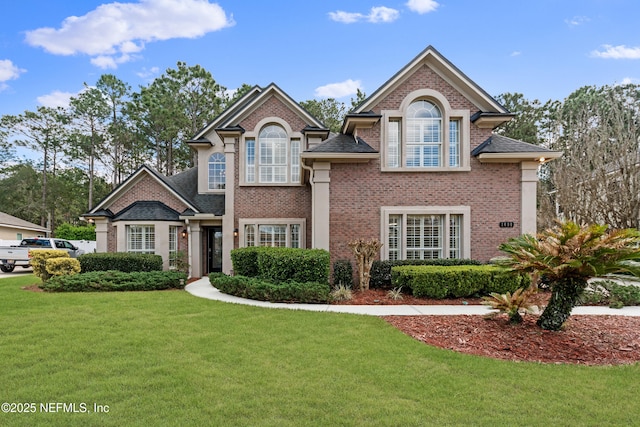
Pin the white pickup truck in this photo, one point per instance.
(12, 256)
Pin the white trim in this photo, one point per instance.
(302, 222)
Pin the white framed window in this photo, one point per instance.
(271, 155)
(173, 245)
(272, 232)
(217, 171)
(425, 232)
(141, 239)
(425, 134)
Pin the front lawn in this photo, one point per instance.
(168, 358)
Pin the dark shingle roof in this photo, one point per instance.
(343, 143)
(147, 211)
(186, 184)
(501, 144)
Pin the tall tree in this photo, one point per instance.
(525, 126)
(44, 131)
(598, 178)
(90, 110)
(328, 111)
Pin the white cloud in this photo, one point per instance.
(516, 53)
(148, 73)
(56, 99)
(617, 52)
(629, 81)
(382, 14)
(376, 15)
(9, 71)
(117, 30)
(338, 90)
(576, 21)
(422, 6)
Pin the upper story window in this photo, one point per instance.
(217, 171)
(274, 158)
(425, 134)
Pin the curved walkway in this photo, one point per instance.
(203, 289)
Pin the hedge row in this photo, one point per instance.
(262, 290)
(282, 264)
(120, 261)
(116, 281)
(381, 270)
(456, 281)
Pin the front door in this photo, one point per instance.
(214, 249)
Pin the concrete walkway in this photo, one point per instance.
(203, 289)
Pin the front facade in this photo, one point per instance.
(416, 165)
(12, 228)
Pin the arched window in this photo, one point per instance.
(272, 149)
(424, 134)
(217, 171)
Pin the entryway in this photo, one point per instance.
(213, 249)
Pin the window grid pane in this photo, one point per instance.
(273, 154)
(141, 238)
(455, 222)
(251, 160)
(424, 236)
(295, 235)
(217, 171)
(250, 235)
(273, 235)
(295, 160)
(393, 144)
(173, 245)
(454, 143)
(395, 236)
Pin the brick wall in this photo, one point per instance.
(359, 190)
(267, 201)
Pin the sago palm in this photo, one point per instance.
(568, 255)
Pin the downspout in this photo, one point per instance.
(313, 202)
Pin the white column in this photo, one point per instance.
(320, 216)
(228, 220)
(102, 238)
(528, 183)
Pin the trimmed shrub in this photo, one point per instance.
(62, 266)
(106, 281)
(245, 261)
(456, 281)
(343, 273)
(296, 265)
(39, 259)
(262, 290)
(120, 261)
(381, 270)
(282, 264)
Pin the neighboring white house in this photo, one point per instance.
(12, 228)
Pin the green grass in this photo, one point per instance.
(168, 358)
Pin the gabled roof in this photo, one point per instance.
(183, 186)
(7, 220)
(445, 69)
(498, 148)
(147, 211)
(232, 116)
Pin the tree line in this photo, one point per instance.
(109, 130)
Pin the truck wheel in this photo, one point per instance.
(6, 268)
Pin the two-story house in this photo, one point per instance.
(416, 165)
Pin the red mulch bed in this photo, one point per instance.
(585, 340)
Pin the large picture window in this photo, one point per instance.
(274, 233)
(425, 134)
(141, 239)
(425, 232)
(273, 157)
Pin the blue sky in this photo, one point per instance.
(544, 49)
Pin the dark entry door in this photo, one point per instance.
(214, 249)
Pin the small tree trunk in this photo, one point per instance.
(564, 297)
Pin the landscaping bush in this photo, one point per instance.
(96, 281)
(62, 266)
(245, 261)
(262, 290)
(608, 292)
(282, 264)
(120, 261)
(343, 273)
(455, 281)
(39, 259)
(381, 270)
